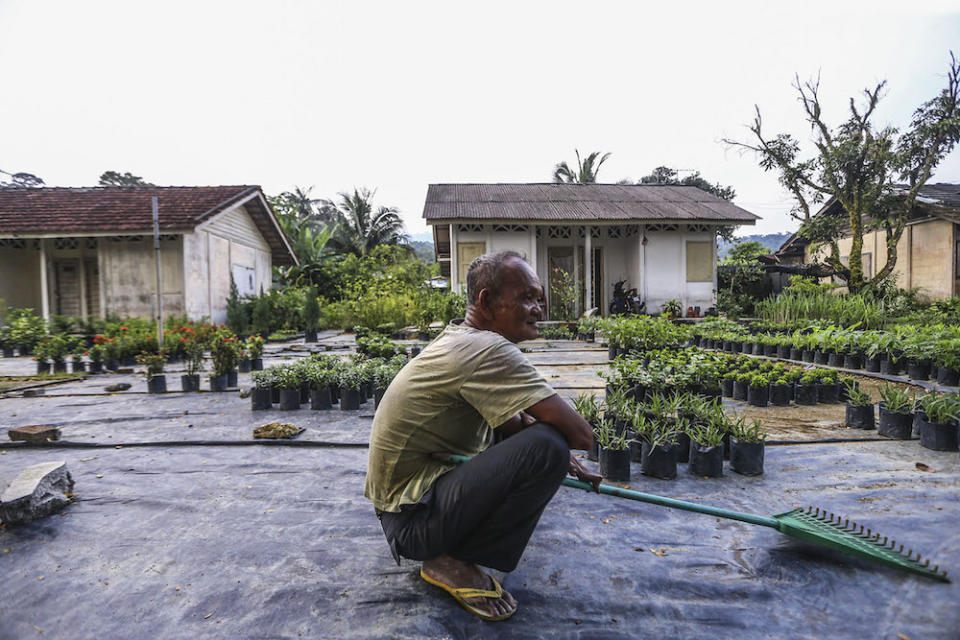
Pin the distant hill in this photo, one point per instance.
(424, 250)
(771, 241)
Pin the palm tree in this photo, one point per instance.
(586, 170)
(360, 228)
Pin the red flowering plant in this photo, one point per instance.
(254, 347)
(225, 352)
(193, 350)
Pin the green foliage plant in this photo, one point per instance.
(942, 409)
(237, 320)
(588, 406)
(154, 363)
(311, 310)
(261, 314)
(896, 399)
(706, 435)
(751, 433)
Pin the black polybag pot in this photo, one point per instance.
(378, 396)
(821, 357)
(310, 335)
(827, 393)
(349, 399)
(659, 462)
(275, 395)
(919, 415)
(852, 361)
(889, 367)
(746, 458)
(260, 399)
(157, 384)
(779, 395)
(860, 417)
(320, 399)
(805, 394)
(947, 376)
(42, 367)
(304, 393)
(611, 352)
(918, 369)
(218, 383)
(289, 399)
(835, 360)
(78, 366)
(256, 364)
(244, 365)
(96, 367)
(683, 447)
(594, 451)
(807, 355)
(796, 354)
(726, 388)
(739, 390)
(770, 350)
(706, 461)
(872, 364)
(636, 449)
(783, 351)
(615, 464)
(190, 382)
(758, 396)
(938, 436)
(895, 425)
(232, 379)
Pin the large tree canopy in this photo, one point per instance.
(20, 179)
(360, 226)
(117, 179)
(666, 175)
(858, 164)
(585, 172)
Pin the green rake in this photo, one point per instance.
(810, 524)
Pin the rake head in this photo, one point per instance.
(828, 530)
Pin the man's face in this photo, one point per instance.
(516, 310)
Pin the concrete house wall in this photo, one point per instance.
(20, 276)
(128, 276)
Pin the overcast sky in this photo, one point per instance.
(398, 95)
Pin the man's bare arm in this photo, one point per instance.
(558, 412)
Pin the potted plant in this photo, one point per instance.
(254, 349)
(746, 447)
(938, 426)
(806, 390)
(827, 387)
(672, 309)
(706, 451)
(383, 375)
(350, 379)
(95, 353)
(872, 345)
(859, 411)
(260, 394)
(896, 416)
(193, 362)
(261, 316)
(311, 315)
(948, 362)
(589, 407)
(287, 379)
(154, 363)
(758, 392)
(244, 365)
(741, 386)
(780, 392)
(917, 351)
(320, 377)
(223, 352)
(726, 387)
(614, 452)
(658, 452)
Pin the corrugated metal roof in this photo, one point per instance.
(551, 202)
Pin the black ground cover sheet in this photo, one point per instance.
(278, 542)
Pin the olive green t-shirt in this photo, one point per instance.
(445, 400)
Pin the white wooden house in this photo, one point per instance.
(660, 239)
(90, 251)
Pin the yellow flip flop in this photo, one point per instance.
(462, 593)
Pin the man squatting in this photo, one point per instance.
(473, 381)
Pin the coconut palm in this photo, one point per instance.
(586, 170)
(360, 227)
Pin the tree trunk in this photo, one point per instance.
(855, 263)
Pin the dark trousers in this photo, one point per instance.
(485, 510)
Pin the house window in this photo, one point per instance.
(466, 253)
(699, 261)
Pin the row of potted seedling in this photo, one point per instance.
(932, 417)
(665, 430)
(323, 381)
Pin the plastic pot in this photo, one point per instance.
(726, 388)
(821, 357)
(260, 399)
(746, 458)
(7, 352)
(615, 464)
(783, 351)
(919, 415)
(594, 451)
(349, 399)
(948, 377)
(636, 450)
(231, 379)
(59, 366)
(218, 383)
(275, 395)
(304, 393)
(190, 382)
(129, 361)
(157, 384)
(758, 396)
(796, 354)
(807, 355)
(739, 390)
(310, 335)
(256, 364)
(827, 393)
(96, 367)
(706, 461)
(683, 447)
(611, 352)
(414, 352)
(898, 426)
(938, 436)
(835, 360)
(852, 361)
(889, 367)
(860, 417)
(320, 399)
(746, 347)
(78, 366)
(779, 395)
(289, 399)
(806, 394)
(659, 462)
(918, 369)
(244, 365)
(770, 350)
(378, 396)
(43, 367)
(872, 364)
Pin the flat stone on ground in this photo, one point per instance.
(34, 433)
(39, 490)
(120, 386)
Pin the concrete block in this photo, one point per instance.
(38, 491)
(34, 433)
(33, 393)
(120, 386)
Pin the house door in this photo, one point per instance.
(67, 287)
(562, 284)
(597, 276)
(467, 252)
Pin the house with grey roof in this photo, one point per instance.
(90, 251)
(660, 239)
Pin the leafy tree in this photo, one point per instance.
(311, 310)
(666, 175)
(261, 314)
(117, 179)
(20, 179)
(741, 280)
(745, 253)
(586, 171)
(237, 320)
(360, 228)
(309, 232)
(857, 164)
